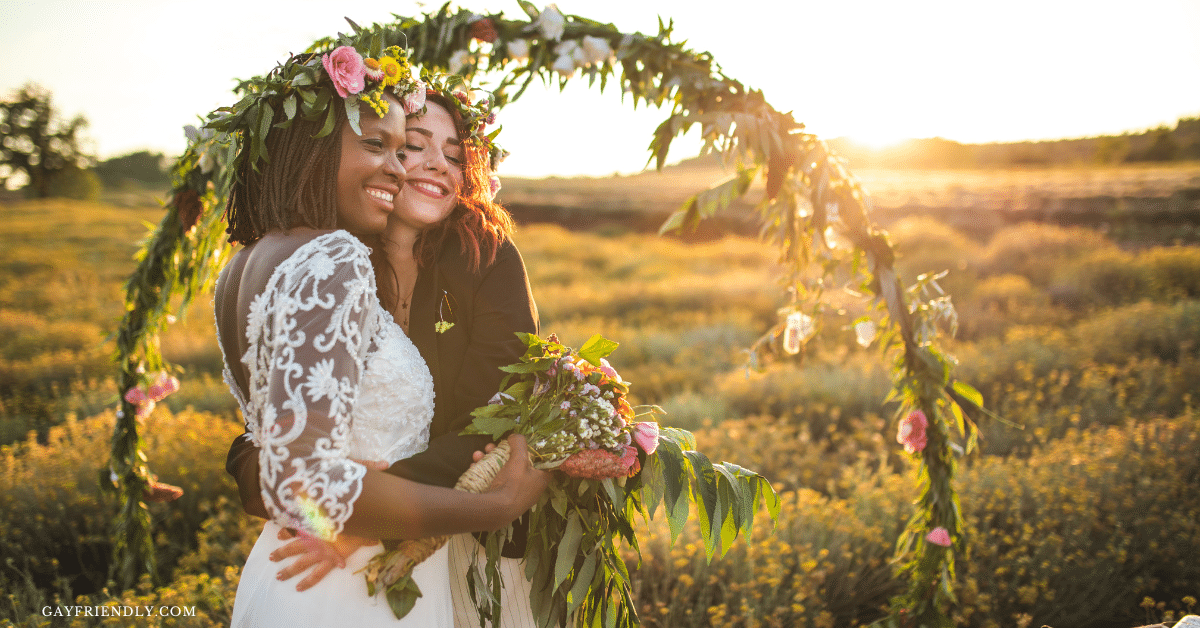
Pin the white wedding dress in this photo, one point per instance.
(332, 378)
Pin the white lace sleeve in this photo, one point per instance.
(309, 332)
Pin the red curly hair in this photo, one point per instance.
(480, 223)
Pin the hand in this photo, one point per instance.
(477, 456)
(321, 556)
(519, 484)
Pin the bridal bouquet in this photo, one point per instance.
(615, 463)
(572, 408)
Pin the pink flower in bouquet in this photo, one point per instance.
(630, 461)
(645, 434)
(596, 464)
(608, 370)
(939, 536)
(912, 432)
(346, 69)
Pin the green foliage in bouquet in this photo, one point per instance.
(571, 407)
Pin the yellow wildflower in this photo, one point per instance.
(392, 70)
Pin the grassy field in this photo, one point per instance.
(666, 190)
(1085, 503)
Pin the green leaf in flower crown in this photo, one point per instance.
(596, 348)
(568, 547)
(327, 127)
(352, 114)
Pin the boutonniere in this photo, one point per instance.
(445, 313)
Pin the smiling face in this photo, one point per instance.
(433, 157)
(370, 175)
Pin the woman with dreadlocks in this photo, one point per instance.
(324, 374)
(460, 290)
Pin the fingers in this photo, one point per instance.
(374, 465)
(310, 553)
(477, 456)
(517, 442)
(285, 534)
(295, 548)
(316, 575)
(299, 566)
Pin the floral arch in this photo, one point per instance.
(810, 196)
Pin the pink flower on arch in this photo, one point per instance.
(346, 69)
(912, 432)
(136, 396)
(939, 536)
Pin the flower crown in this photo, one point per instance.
(305, 86)
(476, 116)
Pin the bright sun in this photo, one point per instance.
(876, 140)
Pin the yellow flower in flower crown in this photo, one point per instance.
(374, 70)
(377, 102)
(392, 70)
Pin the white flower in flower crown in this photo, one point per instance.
(551, 22)
(518, 49)
(459, 60)
(595, 49)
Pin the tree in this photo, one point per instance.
(141, 166)
(35, 144)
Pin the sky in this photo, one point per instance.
(874, 70)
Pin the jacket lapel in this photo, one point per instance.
(421, 322)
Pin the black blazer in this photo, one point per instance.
(486, 308)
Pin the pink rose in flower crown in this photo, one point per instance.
(645, 434)
(912, 432)
(939, 536)
(346, 69)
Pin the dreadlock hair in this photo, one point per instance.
(480, 223)
(295, 185)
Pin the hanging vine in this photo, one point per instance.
(810, 199)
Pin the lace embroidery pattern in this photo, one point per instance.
(310, 335)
